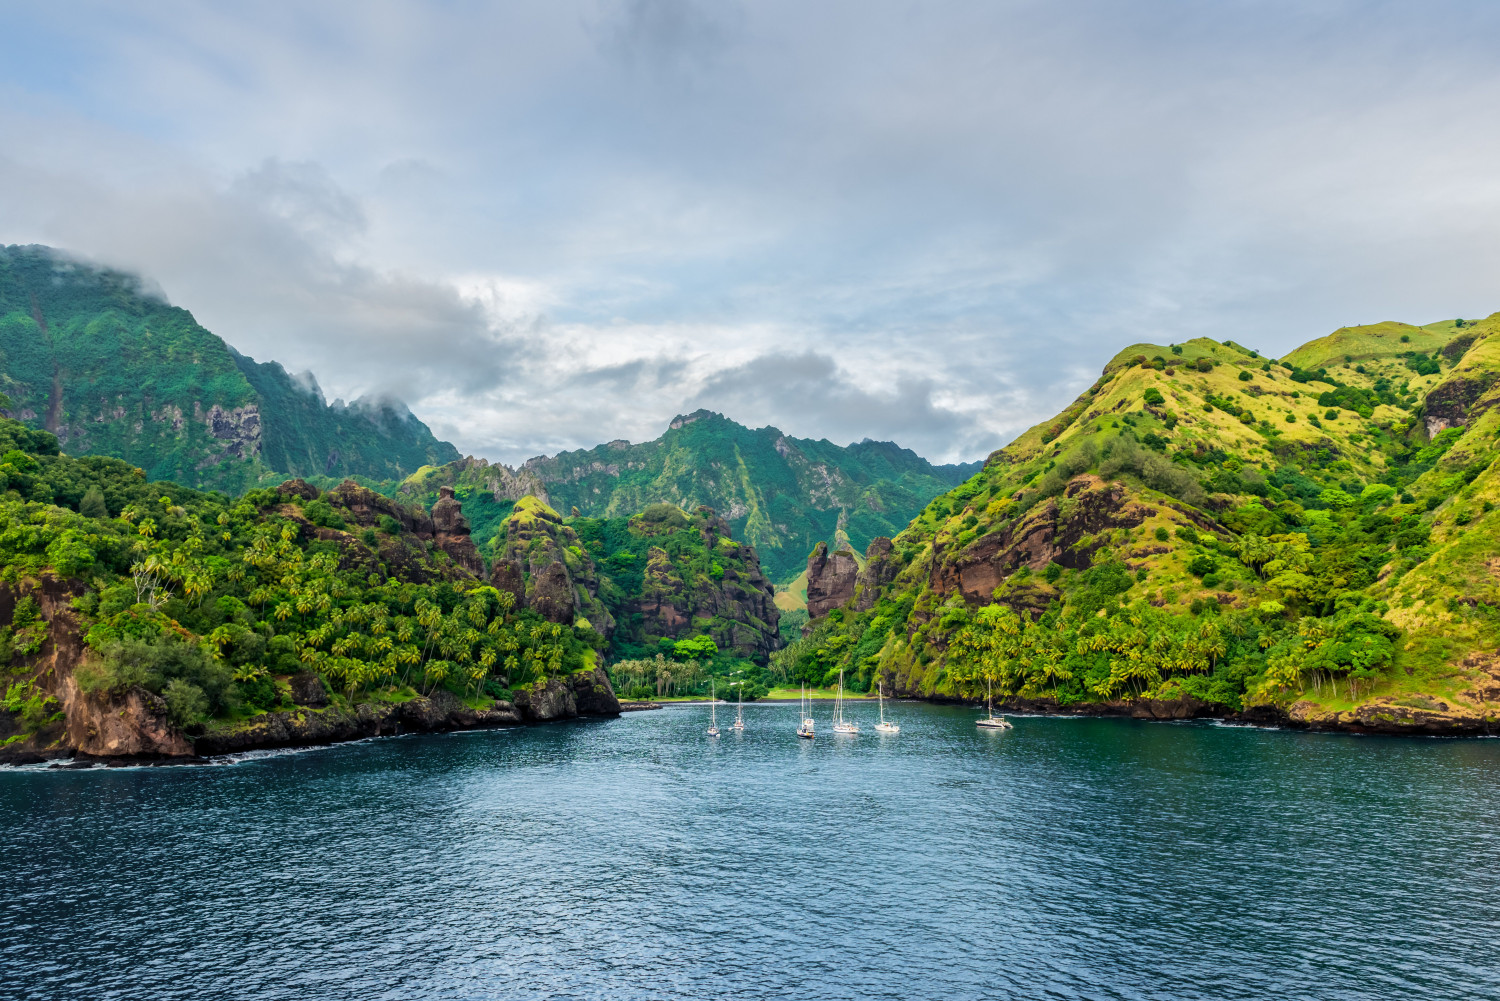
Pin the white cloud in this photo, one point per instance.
(550, 225)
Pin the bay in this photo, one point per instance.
(639, 858)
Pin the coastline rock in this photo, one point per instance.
(132, 724)
(587, 693)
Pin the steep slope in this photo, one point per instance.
(88, 355)
(780, 494)
(1207, 531)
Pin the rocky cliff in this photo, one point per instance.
(110, 368)
(541, 563)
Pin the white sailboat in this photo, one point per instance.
(883, 726)
(991, 721)
(739, 715)
(841, 725)
(804, 713)
(713, 715)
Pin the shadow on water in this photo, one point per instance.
(640, 858)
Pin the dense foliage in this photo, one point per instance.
(1271, 534)
(212, 602)
(114, 370)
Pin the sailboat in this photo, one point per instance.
(991, 721)
(739, 715)
(804, 713)
(883, 726)
(713, 714)
(841, 725)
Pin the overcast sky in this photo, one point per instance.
(546, 225)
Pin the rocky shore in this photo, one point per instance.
(1382, 716)
(134, 729)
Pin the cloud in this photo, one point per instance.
(550, 225)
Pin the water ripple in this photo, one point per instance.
(636, 859)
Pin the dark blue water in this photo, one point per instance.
(636, 859)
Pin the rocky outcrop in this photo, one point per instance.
(587, 693)
(298, 488)
(542, 563)
(1066, 532)
(238, 429)
(738, 609)
(881, 566)
(364, 507)
(128, 725)
(451, 532)
(308, 690)
(1452, 403)
(831, 580)
(552, 594)
(440, 712)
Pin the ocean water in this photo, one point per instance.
(638, 858)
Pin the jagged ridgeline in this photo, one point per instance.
(1205, 530)
(779, 494)
(111, 369)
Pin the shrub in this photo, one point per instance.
(1177, 349)
(1245, 376)
(1205, 364)
(1331, 415)
(1291, 418)
(186, 702)
(321, 513)
(1202, 565)
(1153, 397)
(1162, 535)
(1405, 338)
(389, 525)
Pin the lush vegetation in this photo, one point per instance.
(1217, 525)
(113, 370)
(780, 494)
(212, 602)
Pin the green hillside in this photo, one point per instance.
(780, 494)
(111, 370)
(1313, 539)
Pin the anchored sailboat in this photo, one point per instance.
(739, 715)
(713, 715)
(804, 714)
(883, 726)
(841, 725)
(991, 721)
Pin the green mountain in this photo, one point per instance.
(780, 494)
(90, 356)
(1206, 531)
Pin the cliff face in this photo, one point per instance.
(736, 607)
(778, 493)
(541, 563)
(112, 369)
(1309, 541)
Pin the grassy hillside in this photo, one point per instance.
(781, 494)
(1315, 536)
(86, 354)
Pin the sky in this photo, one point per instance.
(549, 225)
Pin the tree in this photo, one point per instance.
(92, 505)
(696, 648)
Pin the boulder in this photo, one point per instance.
(545, 701)
(131, 724)
(593, 695)
(308, 690)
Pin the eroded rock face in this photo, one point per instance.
(1451, 404)
(881, 566)
(552, 594)
(363, 507)
(451, 532)
(506, 575)
(740, 607)
(1049, 533)
(130, 724)
(587, 693)
(831, 580)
